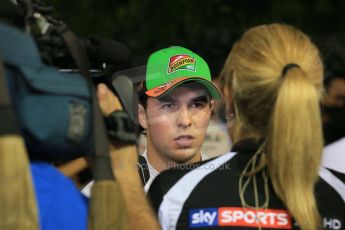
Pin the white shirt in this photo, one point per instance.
(334, 156)
(152, 171)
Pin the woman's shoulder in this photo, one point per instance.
(184, 177)
(330, 196)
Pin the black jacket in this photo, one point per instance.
(206, 196)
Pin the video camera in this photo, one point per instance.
(49, 75)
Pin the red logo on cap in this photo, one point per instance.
(182, 61)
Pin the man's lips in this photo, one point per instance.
(184, 140)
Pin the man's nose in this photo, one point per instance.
(184, 117)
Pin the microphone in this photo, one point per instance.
(102, 50)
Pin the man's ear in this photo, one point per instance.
(212, 104)
(142, 116)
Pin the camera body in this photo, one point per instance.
(54, 108)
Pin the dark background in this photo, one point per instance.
(208, 27)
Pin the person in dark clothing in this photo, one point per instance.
(333, 108)
(272, 83)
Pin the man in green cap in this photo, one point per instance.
(176, 105)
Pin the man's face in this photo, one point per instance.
(334, 101)
(336, 93)
(176, 123)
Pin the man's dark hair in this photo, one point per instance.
(141, 89)
(328, 79)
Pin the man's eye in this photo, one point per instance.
(198, 105)
(168, 106)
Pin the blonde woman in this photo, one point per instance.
(272, 84)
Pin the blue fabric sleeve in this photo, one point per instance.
(60, 203)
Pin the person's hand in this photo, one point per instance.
(124, 157)
(107, 101)
(124, 161)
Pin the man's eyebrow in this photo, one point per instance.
(166, 98)
(202, 98)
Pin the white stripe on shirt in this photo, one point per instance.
(173, 201)
(333, 181)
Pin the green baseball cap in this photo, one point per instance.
(173, 66)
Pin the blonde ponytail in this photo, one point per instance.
(294, 146)
(282, 108)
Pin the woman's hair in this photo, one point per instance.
(274, 74)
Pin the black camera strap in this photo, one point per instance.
(76, 50)
(7, 115)
(102, 168)
(106, 204)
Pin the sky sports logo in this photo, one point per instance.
(244, 217)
